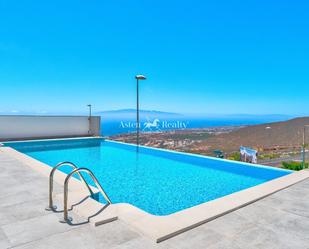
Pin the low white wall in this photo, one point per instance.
(26, 127)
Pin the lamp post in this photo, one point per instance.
(304, 146)
(89, 118)
(138, 77)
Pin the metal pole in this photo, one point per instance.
(137, 113)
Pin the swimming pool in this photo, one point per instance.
(159, 182)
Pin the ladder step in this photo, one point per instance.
(84, 206)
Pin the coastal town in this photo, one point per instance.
(188, 140)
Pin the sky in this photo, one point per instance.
(219, 57)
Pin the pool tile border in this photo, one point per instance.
(161, 228)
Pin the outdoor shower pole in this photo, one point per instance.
(138, 77)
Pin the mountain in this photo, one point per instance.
(261, 118)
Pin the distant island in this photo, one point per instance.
(130, 114)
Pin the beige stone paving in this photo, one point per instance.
(278, 221)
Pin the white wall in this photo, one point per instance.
(26, 127)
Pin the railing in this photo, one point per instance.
(66, 186)
(51, 183)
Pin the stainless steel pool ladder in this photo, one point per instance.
(51, 206)
(66, 218)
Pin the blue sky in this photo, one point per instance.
(199, 56)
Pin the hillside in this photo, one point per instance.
(273, 137)
(285, 135)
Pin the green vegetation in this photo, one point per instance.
(269, 156)
(234, 156)
(292, 165)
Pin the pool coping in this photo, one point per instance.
(160, 228)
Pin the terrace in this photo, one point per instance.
(277, 221)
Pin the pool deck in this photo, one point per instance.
(277, 221)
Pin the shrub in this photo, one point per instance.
(234, 156)
(292, 165)
(269, 156)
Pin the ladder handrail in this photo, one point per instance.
(66, 186)
(51, 182)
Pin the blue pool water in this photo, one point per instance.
(157, 181)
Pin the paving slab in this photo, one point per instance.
(86, 236)
(230, 224)
(4, 242)
(23, 211)
(34, 228)
(268, 238)
(203, 237)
